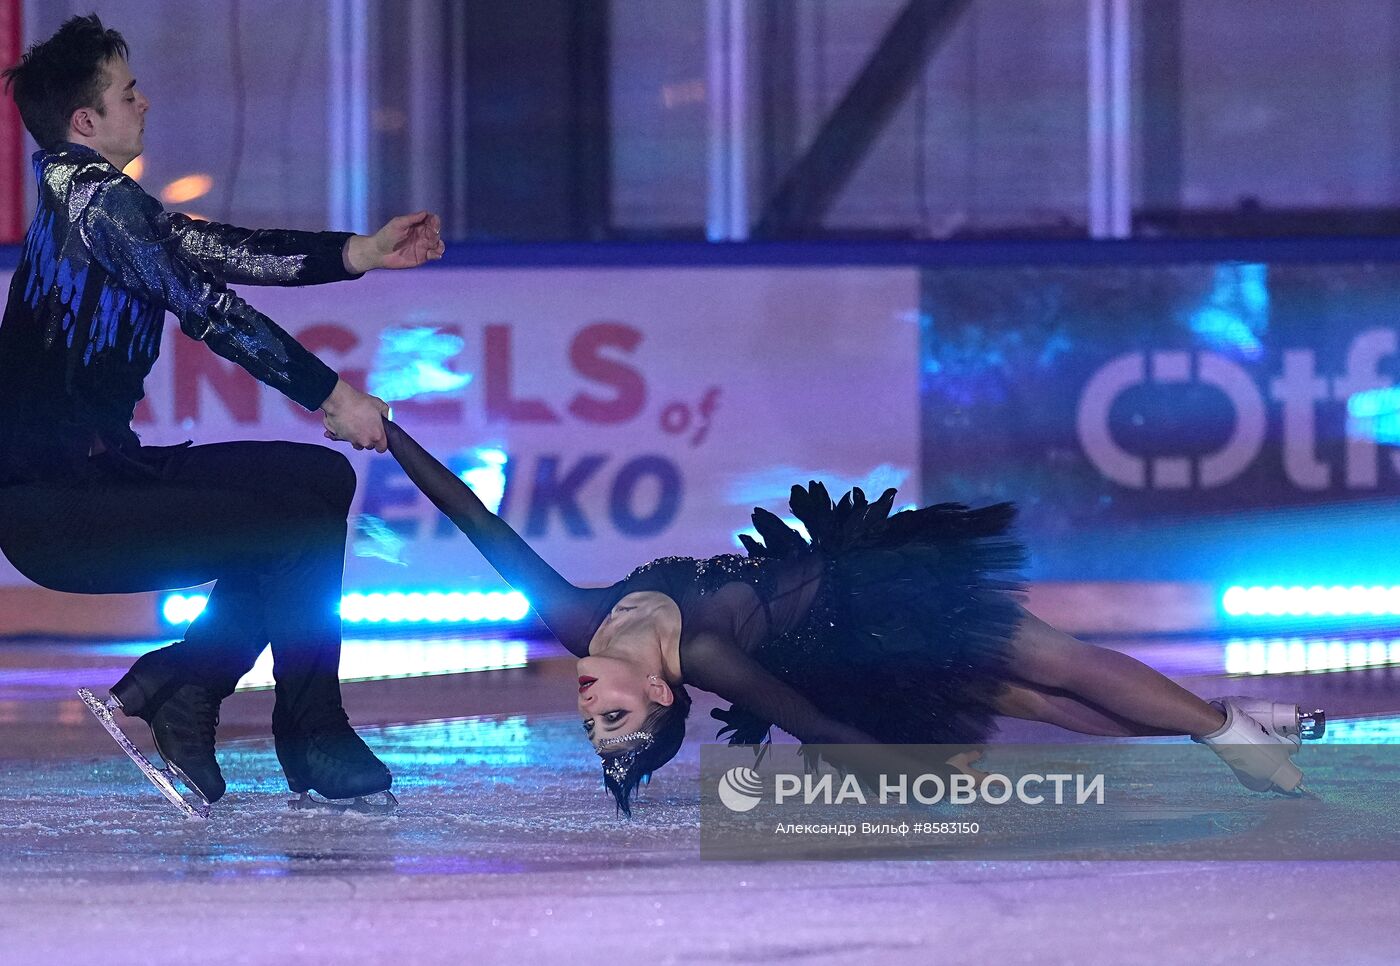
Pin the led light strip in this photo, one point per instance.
(1315, 601)
(1298, 656)
(393, 607)
(375, 660)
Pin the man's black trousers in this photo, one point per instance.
(266, 520)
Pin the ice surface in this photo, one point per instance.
(505, 849)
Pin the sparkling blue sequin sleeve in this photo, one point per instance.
(129, 235)
(265, 256)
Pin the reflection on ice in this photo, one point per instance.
(1365, 731)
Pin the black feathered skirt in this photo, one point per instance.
(909, 637)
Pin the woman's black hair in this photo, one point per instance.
(623, 771)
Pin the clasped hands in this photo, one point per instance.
(355, 417)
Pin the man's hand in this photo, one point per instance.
(355, 417)
(405, 242)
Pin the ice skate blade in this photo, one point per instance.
(160, 778)
(1287, 781)
(364, 805)
(1312, 725)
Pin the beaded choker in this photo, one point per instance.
(617, 766)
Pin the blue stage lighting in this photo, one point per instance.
(488, 478)
(412, 361)
(394, 607)
(1383, 730)
(1236, 313)
(1375, 414)
(183, 608)
(434, 607)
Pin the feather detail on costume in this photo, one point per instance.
(912, 640)
(743, 727)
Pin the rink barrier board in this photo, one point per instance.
(1079, 608)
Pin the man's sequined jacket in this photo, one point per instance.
(101, 265)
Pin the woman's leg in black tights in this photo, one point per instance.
(1105, 679)
(1030, 703)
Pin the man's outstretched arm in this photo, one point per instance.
(123, 228)
(276, 256)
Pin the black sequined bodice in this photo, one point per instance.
(781, 600)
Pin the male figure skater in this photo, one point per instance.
(85, 508)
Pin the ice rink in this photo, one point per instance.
(505, 848)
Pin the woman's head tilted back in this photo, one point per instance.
(633, 716)
(628, 762)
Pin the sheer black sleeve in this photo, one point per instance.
(568, 611)
(711, 662)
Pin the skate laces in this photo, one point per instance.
(203, 713)
(193, 711)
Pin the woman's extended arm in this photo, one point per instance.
(570, 612)
(712, 663)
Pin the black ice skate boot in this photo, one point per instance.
(183, 718)
(327, 757)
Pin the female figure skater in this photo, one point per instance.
(901, 629)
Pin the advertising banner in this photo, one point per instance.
(613, 415)
(1228, 422)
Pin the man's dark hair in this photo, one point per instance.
(62, 74)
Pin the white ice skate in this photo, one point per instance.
(162, 778)
(1260, 758)
(1285, 720)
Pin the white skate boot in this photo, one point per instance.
(1260, 758)
(1285, 720)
